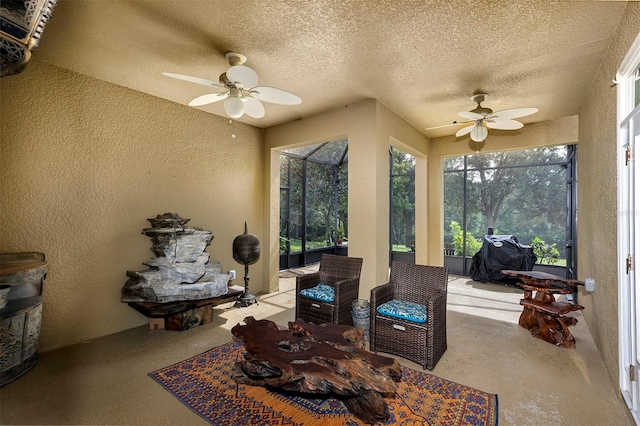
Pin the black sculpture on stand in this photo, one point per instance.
(246, 250)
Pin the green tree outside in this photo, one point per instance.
(402, 177)
(523, 193)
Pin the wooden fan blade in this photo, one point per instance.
(465, 131)
(471, 115)
(243, 75)
(504, 124)
(275, 96)
(253, 107)
(197, 80)
(209, 98)
(509, 114)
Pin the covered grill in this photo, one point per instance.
(500, 252)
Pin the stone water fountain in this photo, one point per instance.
(181, 269)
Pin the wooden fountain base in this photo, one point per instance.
(183, 315)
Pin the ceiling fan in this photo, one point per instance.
(239, 86)
(481, 118)
(484, 118)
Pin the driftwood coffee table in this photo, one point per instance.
(317, 360)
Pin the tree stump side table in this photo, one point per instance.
(542, 315)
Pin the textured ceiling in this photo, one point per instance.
(422, 59)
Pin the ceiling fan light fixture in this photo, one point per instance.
(479, 132)
(233, 106)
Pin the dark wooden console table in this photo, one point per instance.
(542, 315)
(327, 359)
(183, 315)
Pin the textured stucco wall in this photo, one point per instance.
(597, 199)
(83, 163)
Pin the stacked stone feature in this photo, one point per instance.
(180, 269)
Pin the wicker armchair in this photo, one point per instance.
(423, 343)
(343, 274)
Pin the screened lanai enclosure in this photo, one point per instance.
(313, 203)
(529, 194)
(402, 206)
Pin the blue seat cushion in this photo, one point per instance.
(322, 292)
(409, 311)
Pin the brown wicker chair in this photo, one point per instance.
(423, 343)
(343, 274)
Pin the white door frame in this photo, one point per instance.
(628, 140)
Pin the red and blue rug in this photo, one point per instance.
(203, 384)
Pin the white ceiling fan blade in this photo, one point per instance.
(275, 96)
(209, 98)
(504, 124)
(455, 123)
(471, 115)
(191, 79)
(509, 114)
(479, 133)
(242, 74)
(464, 131)
(253, 107)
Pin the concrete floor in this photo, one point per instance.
(104, 381)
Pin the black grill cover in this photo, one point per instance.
(500, 252)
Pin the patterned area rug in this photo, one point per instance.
(203, 384)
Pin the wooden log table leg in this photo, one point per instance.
(552, 330)
(569, 321)
(369, 406)
(568, 341)
(544, 318)
(529, 321)
(549, 328)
